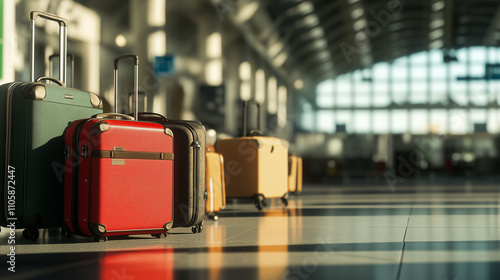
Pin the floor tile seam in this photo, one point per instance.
(398, 275)
(400, 266)
(254, 227)
(455, 227)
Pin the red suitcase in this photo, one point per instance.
(119, 175)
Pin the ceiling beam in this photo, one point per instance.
(449, 24)
(492, 36)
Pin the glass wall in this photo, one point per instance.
(418, 94)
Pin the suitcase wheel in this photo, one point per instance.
(100, 238)
(159, 235)
(260, 201)
(66, 233)
(284, 199)
(31, 233)
(213, 216)
(197, 228)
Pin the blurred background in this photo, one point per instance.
(363, 90)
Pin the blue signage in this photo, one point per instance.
(492, 71)
(164, 65)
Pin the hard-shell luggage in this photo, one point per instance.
(121, 176)
(216, 189)
(189, 170)
(294, 174)
(255, 166)
(34, 116)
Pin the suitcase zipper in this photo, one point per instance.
(8, 135)
(75, 205)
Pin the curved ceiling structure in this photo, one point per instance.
(319, 39)
(325, 38)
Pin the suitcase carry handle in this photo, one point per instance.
(63, 43)
(39, 79)
(153, 115)
(245, 117)
(111, 115)
(136, 82)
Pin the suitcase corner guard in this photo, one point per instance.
(168, 225)
(34, 91)
(97, 229)
(169, 132)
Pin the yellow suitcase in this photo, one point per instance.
(216, 190)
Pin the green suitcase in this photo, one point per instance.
(33, 119)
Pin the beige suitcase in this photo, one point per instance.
(216, 190)
(294, 174)
(255, 166)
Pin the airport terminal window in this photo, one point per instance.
(476, 70)
(361, 122)
(418, 72)
(325, 98)
(493, 125)
(401, 125)
(420, 58)
(479, 95)
(307, 121)
(325, 121)
(462, 54)
(457, 121)
(435, 57)
(438, 92)
(344, 90)
(419, 122)
(477, 54)
(361, 94)
(399, 72)
(399, 92)
(380, 122)
(493, 55)
(438, 97)
(493, 88)
(438, 121)
(381, 71)
(343, 117)
(438, 72)
(478, 116)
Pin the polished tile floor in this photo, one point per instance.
(411, 231)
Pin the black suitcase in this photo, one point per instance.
(189, 170)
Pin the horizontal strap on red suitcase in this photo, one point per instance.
(133, 155)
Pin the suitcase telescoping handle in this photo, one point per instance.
(135, 58)
(245, 115)
(69, 60)
(63, 43)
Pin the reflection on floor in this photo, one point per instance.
(420, 231)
